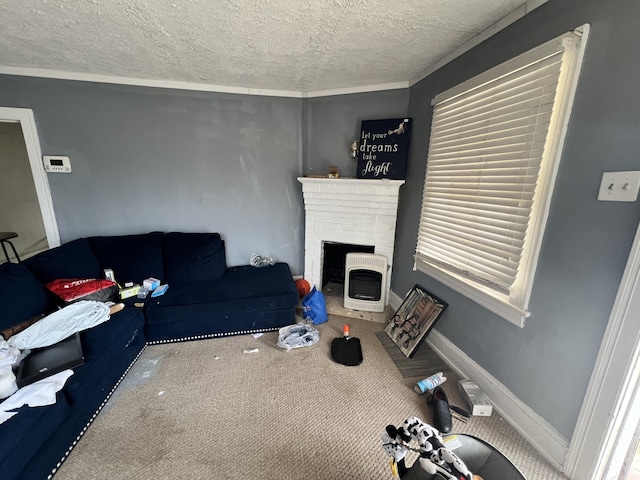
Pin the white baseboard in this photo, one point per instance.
(536, 430)
(394, 300)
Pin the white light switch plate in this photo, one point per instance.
(619, 186)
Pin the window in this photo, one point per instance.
(494, 151)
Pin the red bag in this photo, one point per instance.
(71, 290)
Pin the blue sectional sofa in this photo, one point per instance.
(205, 299)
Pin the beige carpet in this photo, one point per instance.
(206, 410)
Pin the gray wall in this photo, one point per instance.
(547, 364)
(151, 159)
(170, 160)
(332, 123)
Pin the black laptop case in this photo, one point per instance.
(47, 361)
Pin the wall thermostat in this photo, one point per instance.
(56, 164)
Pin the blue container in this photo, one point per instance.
(429, 383)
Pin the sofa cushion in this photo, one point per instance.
(23, 434)
(108, 355)
(71, 260)
(242, 288)
(246, 298)
(104, 348)
(193, 257)
(131, 257)
(193, 322)
(22, 296)
(95, 340)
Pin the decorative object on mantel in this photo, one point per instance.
(333, 172)
(384, 148)
(414, 319)
(354, 150)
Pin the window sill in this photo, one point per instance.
(483, 297)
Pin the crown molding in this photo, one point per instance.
(143, 82)
(512, 17)
(193, 86)
(351, 90)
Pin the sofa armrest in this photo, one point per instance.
(22, 296)
(74, 259)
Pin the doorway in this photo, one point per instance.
(25, 198)
(606, 437)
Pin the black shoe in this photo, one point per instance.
(441, 413)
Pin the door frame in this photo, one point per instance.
(26, 119)
(609, 416)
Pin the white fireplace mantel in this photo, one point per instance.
(348, 210)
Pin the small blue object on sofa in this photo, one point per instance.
(205, 299)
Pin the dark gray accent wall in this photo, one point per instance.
(151, 159)
(548, 363)
(332, 123)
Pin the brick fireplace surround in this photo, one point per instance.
(352, 211)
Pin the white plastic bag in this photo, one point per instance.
(298, 335)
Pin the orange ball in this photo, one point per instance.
(303, 287)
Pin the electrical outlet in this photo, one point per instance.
(619, 186)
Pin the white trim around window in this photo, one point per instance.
(495, 146)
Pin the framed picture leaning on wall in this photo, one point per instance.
(414, 319)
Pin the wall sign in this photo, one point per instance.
(384, 148)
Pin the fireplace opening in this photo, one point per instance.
(335, 254)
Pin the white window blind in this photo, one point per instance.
(489, 168)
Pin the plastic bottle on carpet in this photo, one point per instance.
(430, 382)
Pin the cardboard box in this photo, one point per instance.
(129, 292)
(477, 401)
(108, 274)
(151, 283)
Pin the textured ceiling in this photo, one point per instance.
(286, 45)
